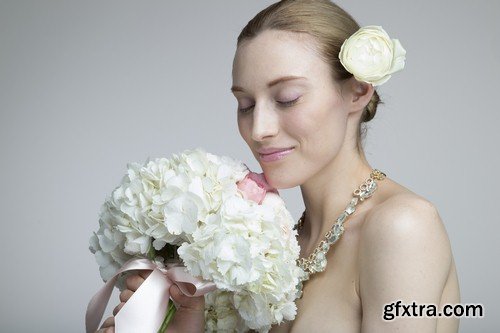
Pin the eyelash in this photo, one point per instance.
(245, 110)
(285, 104)
(289, 103)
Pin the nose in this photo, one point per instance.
(265, 123)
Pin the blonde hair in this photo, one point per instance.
(329, 24)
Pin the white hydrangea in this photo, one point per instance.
(250, 250)
(161, 201)
(192, 200)
(220, 313)
(108, 243)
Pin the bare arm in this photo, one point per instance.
(405, 255)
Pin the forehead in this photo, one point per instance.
(275, 53)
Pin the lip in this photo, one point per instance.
(272, 150)
(276, 155)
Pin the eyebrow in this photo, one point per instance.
(273, 82)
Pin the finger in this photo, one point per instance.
(125, 295)
(109, 322)
(133, 281)
(117, 308)
(106, 330)
(194, 303)
(144, 274)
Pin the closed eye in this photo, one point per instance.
(245, 110)
(289, 103)
(285, 104)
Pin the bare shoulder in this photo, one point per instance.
(404, 215)
(404, 254)
(404, 240)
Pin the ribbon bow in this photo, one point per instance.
(146, 309)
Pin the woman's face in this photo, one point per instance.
(287, 99)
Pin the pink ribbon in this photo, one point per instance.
(146, 309)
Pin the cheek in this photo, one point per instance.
(321, 134)
(319, 139)
(328, 133)
(321, 128)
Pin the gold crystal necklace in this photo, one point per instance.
(316, 261)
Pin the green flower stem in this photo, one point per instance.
(151, 253)
(169, 316)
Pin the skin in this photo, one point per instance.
(394, 246)
(189, 317)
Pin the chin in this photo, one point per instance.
(279, 179)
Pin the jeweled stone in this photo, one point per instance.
(342, 217)
(338, 229)
(317, 262)
(331, 237)
(320, 262)
(369, 190)
(350, 209)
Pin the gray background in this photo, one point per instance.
(87, 86)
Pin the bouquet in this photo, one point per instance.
(229, 228)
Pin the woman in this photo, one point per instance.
(294, 93)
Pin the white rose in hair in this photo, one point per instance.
(371, 55)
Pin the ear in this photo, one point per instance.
(359, 94)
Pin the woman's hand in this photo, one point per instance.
(189, 317)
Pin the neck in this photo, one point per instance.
(327, 193)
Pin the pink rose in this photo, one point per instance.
(254, 187)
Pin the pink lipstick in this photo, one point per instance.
(276, 155)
